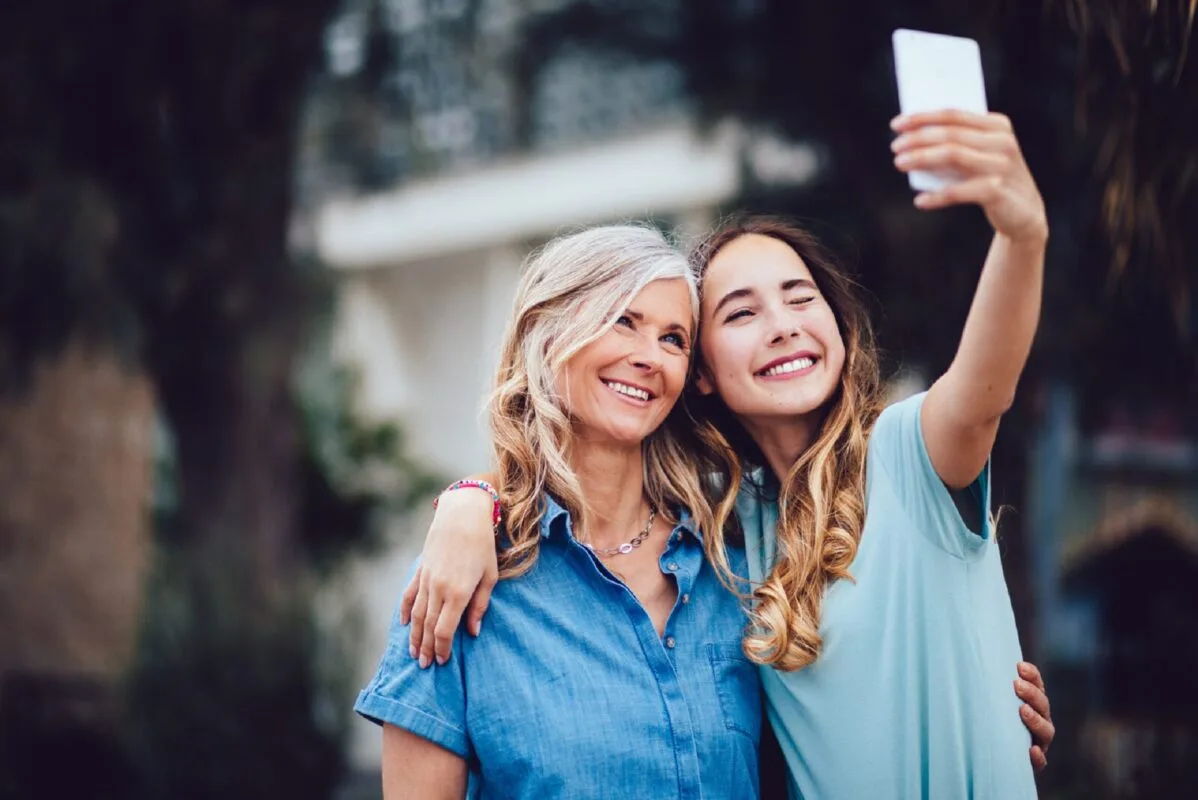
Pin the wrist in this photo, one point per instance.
(1031, 238)
(471, 495)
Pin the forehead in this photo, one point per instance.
(664, 301)
(752, 261)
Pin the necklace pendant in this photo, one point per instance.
(627, 547)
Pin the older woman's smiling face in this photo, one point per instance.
(620, 387)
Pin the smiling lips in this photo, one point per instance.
(629, 391)
(780, 368)
(788, 366)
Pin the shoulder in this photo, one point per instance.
(898, 421)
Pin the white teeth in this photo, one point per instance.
(631, 391)
(789, 366)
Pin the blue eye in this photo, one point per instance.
(676, 339)
(624, 320)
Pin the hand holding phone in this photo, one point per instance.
(936, 72)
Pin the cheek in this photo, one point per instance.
(721, 354)
(675, 378)
(836, 350)
(824, 326)
(569, 386)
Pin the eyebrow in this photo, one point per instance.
(786, 286)
(673, 326)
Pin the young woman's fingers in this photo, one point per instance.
(985, 141)
(479, 604)
(1039, 759)
(408, 598)
(1031, 673)
(955, 158)
(447, 623)
(981, 190)
(991, 121)
(1034, 695)
(1041, 728)
(419, 611)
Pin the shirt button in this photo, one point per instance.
(670, 642)
(686, 598)
(673, 566)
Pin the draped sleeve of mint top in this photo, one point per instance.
(569, 691)
(912, 695)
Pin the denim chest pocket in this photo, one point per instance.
(738, 686)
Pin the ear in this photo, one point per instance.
(703, 381)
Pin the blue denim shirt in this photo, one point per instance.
(570, 693)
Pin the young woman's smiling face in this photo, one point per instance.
(770, 342)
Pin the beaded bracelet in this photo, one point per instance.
(496, 511)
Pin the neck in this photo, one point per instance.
(782, 439)
(612, 481)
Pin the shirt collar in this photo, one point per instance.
(555, 511)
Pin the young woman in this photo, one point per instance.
(879, 611)
(611, 665)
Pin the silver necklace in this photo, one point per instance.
(628, 546)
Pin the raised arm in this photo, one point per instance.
(416, 769)
(961, 413)
(458, 569)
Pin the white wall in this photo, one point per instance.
(426, 339)
(655, 173)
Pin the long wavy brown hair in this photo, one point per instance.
(822, 498)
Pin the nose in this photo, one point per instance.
(785, 327)
(647, 357)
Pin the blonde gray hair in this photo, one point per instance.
(571, 292)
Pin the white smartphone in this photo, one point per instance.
(936, 72)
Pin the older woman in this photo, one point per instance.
(611, 663)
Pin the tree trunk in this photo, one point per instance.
(76, 473)
(237, 432)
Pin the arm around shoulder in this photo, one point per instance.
(459, 568)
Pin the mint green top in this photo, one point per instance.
(912, 695)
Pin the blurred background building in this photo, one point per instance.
(255, 261)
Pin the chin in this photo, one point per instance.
(631, 437)
(797, 404)
(803, 409)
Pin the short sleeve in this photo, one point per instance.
(430, 703)
(897, 446)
